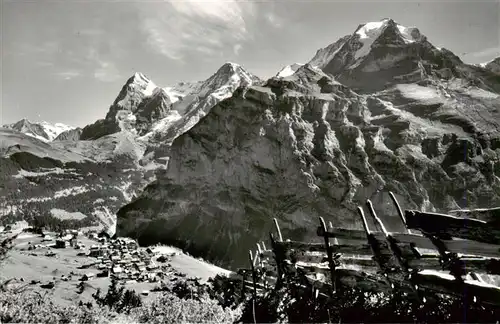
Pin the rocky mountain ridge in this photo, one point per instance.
(157, 114)
(387, 112)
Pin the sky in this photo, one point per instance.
(66, 61)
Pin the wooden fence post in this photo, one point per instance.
(335, 240)
(399, 210)
(280, 238)
(254, 279)
(396, 251)
(260, 264)
(329, 255)
(278, 259)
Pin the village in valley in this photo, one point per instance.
(84, 261)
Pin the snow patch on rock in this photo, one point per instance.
(70, 192)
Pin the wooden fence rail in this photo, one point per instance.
(438, 252)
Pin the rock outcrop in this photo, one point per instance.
(69, 135)
(307, 145)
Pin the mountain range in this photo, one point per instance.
(86, 174)
(207, 165)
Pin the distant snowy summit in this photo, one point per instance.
(159, 114)
(43, 131)
(384, 53)
(492, 65)
(289, 70)
(351, 51)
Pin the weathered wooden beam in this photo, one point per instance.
(466, 247)
(255, 258)
(278, 258)
(259, 287)
(414, 261)
(447, 226)
(343, 233)
(397, 251)
(471, 262)
(278, 230)
(379, 246)
(445, 283)
(353, 278)
(490, 215)
(399, 260)
(324, 269)
(398, 209)
(320, 247)
(348, 236)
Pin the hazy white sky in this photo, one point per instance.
(65, 61)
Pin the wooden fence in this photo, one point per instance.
(437, 252)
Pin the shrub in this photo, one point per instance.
(117, 298)
(172, 309)
(32, 307)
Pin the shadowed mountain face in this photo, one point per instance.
(388, 112)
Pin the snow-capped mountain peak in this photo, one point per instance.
(369, 32)
(351, 50)
(43, 130)
(53, 130)
(385, 45)
(228, 75)
(145, 84)
(289, 70)
(137, 87)
(144, 109)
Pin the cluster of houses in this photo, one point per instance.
(122, 259)
(68, 238)
(119, 258)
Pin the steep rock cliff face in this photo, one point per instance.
(307, 146)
